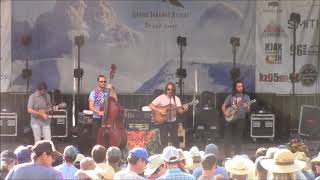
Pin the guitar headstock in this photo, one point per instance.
(112, 71)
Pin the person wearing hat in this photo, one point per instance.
(239, 167)
(114, 157)
(42, 155)
(67, 168)
(8, 160)
(182, 161)
(170, 155)
(283, 165)
(78, 160)
(102, 169)
(155, 167)
(306, 172)
(137, 161)
(315, 162)
(211, 149)
(39, 104)
(23, 154)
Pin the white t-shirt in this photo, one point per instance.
(164, 100)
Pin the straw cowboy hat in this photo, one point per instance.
(283, 162)
(316, 159)
(239, 165)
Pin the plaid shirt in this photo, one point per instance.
(176, 174)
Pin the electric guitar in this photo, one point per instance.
(44, 113)
(162, 115)
(233, 111)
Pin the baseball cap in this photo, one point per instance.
(170, 154)
(155, 162)
(23, 154)
(70, 151)
(44, 146)
(7, 156)
(211, 149)
(140, 153)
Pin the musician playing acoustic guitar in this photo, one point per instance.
(161, 108)
(39, 104)
(234, 129)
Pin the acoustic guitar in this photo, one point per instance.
(233, 111)
(163, 114)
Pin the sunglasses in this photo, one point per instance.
(102, 81)
(169, 89)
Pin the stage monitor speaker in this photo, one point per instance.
(208, 120)
(208, 100)
(59, 125)
(309, 124)
(8, 123)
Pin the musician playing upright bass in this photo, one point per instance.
(234, 130)
(96, 102)
(161, 105)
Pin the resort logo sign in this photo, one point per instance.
(308, 74)
(273, 6)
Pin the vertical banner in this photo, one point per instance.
(274, 40)
(5, 38)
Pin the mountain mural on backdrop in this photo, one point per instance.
(53, 32)
(211, 77)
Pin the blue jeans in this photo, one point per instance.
(40, 128)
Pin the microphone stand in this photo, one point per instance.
(170, 139)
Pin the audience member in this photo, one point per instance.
(102, 170)
(239, 167)
(114, 158)
(315, 163)
(211, 149)
(170, 156)
(182, 161)
(283, 165)
(86, 164)
(41, 167)
(306, 172)
(260, 173)
(137, 161)
(23, 154)
(196, 159)
(155, 167)
(78, 160)
(67, 168)
(260, 152)
(8, 160)
(209, 164)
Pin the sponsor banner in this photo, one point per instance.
(274, 47)
(5, 49)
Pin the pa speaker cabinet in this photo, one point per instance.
(309, 123)
(262, 125)
(59, 124)
(8, 124)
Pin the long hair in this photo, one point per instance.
(173, 87)
(234, 87)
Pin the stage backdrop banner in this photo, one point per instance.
(5, 49)
(274, 40)
(140, 37)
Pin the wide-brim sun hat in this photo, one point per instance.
(283, 162)
(239, 165)
(316, 159)
(155, 162)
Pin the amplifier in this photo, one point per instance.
(59, 124)
(262, 126)
(8, 124)
(137, 120)
(309, 123)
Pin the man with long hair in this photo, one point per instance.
(234, 129)
(167, 104)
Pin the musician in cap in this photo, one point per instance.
(235, 109)
(39, 104)
(164, 109)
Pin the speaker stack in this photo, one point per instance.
(309, 123)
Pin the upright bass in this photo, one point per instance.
(112, 131)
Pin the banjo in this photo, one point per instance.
(233, 111)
